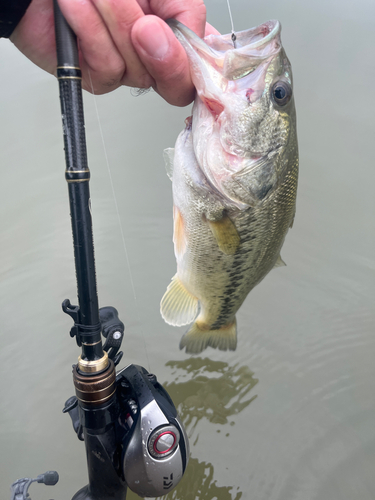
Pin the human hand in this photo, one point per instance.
(121, 42)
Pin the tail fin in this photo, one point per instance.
(197, 339)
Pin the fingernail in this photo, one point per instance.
(153, 40)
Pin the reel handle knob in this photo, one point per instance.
(113, 331)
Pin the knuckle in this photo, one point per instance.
(141, 81)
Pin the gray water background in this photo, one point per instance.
(290, 414)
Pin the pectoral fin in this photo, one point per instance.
(226, 234)
(178, 306)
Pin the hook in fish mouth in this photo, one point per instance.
(253, 46)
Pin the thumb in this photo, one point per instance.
(164, 58)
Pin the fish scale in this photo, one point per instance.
(234, 180)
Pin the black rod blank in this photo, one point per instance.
(77, 175)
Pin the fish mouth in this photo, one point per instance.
(230, 80)
(253, 46)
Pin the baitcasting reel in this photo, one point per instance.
(155, 445)
(136, 436)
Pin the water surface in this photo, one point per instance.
(289, 415)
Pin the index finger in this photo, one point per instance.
(119, 16)
(99, 57)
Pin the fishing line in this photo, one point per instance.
(234, 38)
(118, 214)
(113, 188)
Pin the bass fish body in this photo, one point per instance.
(234, 173)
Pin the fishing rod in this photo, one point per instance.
(129, 424)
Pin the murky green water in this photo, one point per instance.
(289, 415)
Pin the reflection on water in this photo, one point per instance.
(310, 434)
(214, 391)
(198, 483)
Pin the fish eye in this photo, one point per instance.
(281, 93)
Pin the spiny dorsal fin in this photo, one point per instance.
(279, 262)
(178, 306)
(168, 155)
(226, 234)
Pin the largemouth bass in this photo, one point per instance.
(234, 174)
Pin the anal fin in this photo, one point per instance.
(178, 306)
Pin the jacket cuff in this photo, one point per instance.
(11, 13)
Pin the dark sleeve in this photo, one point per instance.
(11, 13)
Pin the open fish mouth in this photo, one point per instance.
(238, 132)
(253, 46)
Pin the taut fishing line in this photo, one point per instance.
(234, 38)
(118, 213)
